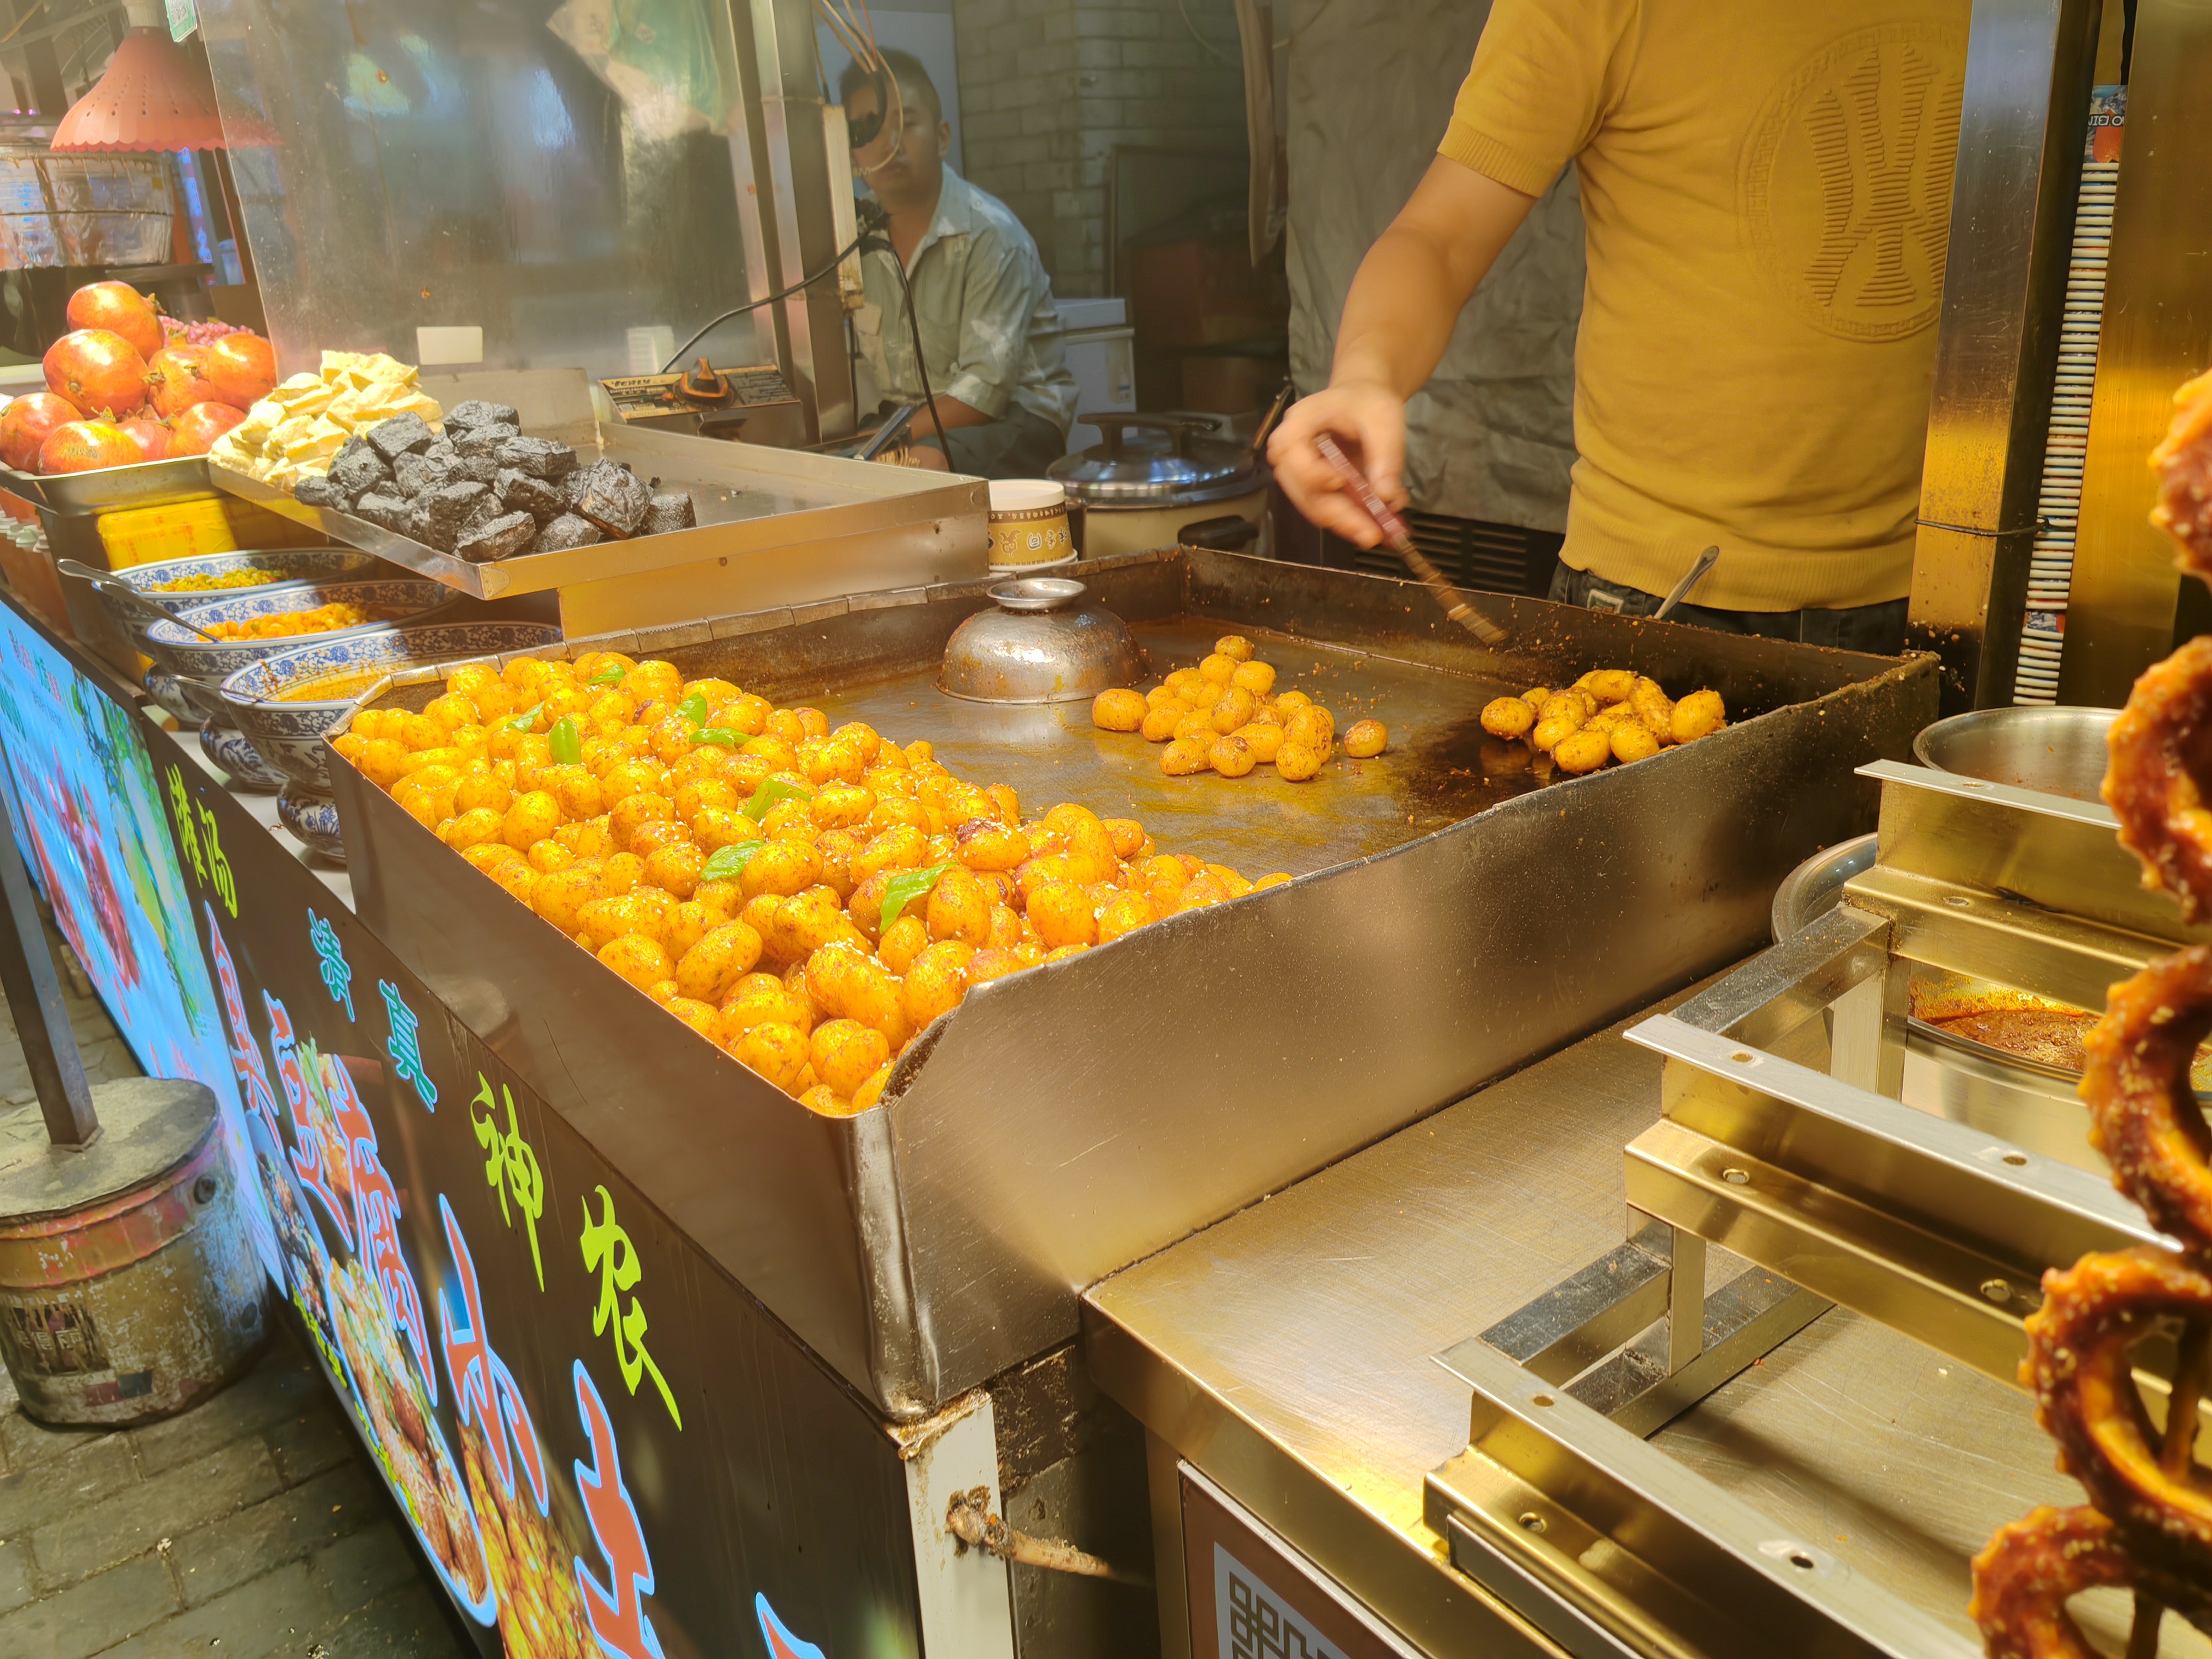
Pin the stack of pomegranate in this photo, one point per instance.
(125, 385)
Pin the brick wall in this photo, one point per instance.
(1049, 88)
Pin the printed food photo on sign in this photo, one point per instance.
(401, 1429)
(531, 1546)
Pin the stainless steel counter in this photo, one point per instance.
(1287, 1353)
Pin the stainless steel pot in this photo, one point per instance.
(1165, 480)
(2060, 751)
(1041, 643)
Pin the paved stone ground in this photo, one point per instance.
(251, 1525)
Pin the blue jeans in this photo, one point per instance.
(1878, 628)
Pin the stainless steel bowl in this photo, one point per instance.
(1040, 643)
(1816, 886)
(2059, 752)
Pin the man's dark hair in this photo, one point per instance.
(914, 80)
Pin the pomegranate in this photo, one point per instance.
(120, 309)
(198, 427)
(87, 446)
(99, 371)
(241, 369)
(25, 424)
(176, 378)
(152, 436)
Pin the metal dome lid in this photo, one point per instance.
(1156, 459)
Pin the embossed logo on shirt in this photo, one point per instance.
(1845, 185)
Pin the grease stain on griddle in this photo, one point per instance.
(1455, 770)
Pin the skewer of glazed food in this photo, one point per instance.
(2147, 1523)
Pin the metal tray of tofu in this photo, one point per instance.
(109, 488)
(1451, 916)
(776, 526)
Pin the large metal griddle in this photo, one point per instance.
(1062, 1122)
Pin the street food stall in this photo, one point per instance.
(1048, 1145)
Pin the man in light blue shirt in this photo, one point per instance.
(990, 332)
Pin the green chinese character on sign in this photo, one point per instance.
(226, 884)
(510, 1166)
(180, 808)
(607, 1247)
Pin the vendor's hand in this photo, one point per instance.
(1369, 422)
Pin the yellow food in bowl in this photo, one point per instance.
(288, 624)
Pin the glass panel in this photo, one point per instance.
(557, 175)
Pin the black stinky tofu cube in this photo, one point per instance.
(615, 499)
(357, 473)
(415, 473)
(448, 509)
(566, 532)
(542, 501)
(541, 458)
(400, 435)
(497, 537)
(383, 507)
(476, 412)
(312, 491)
(670, 510)
(484, 440)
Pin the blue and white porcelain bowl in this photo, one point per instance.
(289, 732)
(162, 686)
(203, 664)
(289, 566)
(228, 748)
(313, 818)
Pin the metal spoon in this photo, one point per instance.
(130, 597)
(1691, 578)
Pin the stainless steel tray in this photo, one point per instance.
(1450, 920)
(151, 483)
(776, 526)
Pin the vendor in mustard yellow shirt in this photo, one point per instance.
(1765, 193)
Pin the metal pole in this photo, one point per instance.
(2028, 69)
(34, 998)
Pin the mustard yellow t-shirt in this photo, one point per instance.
(1766, 194)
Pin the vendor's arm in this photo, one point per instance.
(1546, 74)
(1397, 320)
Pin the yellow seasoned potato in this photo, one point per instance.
(781, 868)
(518, 878)
(1233, 709)
(1184, 758)
(488, 855)
(482, 789)
(959, 909)
(903, 941)
(1198, 725)
(1254, 677)
(1549, 732)
(986, 844)
(1608, 685)
(936, 980)
(1285, 701)
(640, 961)
(474, 828)
(1217, 670)
(1125, 835)
(1366, 739)
(1231, 756)
(1296, 761)
(1313, 726)
(1125, 914)
(1117, 710)
(778, 1052)
(531, 818)
(845, 1053)
(1632, 741)
(1508, 717)
(1584, 750)
(1264, 742)
(1062, 915)
(1698, 716)
(675, 868)
(870, 1091)
(1235, 646)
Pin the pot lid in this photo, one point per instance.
(1153, 458)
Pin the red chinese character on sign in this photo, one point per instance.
(483, 1389)
(309, 1149)
(376, 1221)
(617, 1616)
(244, 1055)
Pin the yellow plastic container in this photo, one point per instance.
(177, 531)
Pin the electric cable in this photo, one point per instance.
(798, 287)
(913, 330)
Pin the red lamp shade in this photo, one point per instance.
(153, 96)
